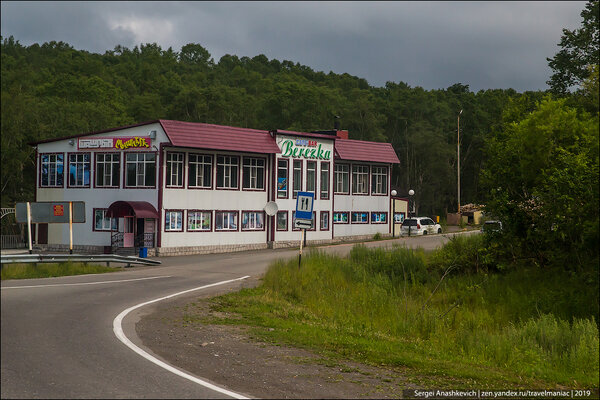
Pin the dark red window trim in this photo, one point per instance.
(227, 230)
(182, 220)
(287, 178)
(187, 221)
(183, 168)
(253, 211)
(265, 167)
(368, 180)
(379, 212)
(67, 171)
(287, 221)
(341, 212)
(239, 171)
(125, 170)
(321, 219)
(40, 171)
(294, 195)
(329, 180)
(212, 168)
(96, 154)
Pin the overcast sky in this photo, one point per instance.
(486, 45)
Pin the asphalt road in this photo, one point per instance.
(57, 338)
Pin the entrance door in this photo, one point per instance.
(149, 232)
(128, 232)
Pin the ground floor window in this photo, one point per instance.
(173, 221)
(282, 220)
(379, 218)
(102, 222)
(199, 221)
(360, 217)
(226, 221)
(340, 217)
(324, 220)
(253, 221)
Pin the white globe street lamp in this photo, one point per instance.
(411, 193)
(393, 193)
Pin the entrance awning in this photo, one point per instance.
(141, 209)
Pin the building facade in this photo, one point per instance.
(182, 188)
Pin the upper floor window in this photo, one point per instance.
(311, 177)
(79, 170)
(227, 172)
(140, 170)
(108, 169)
(297, 177)
(324, 180)
(342, 172)
(282, 179)
(174, 176)
(52, 170)
(200, 171)
(254, 173)
(360, 179)
(379, 180)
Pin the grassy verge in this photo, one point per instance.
(29, 271)
(524, 328)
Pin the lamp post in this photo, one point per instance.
(458, 158)
(393, 193)
(411, 193)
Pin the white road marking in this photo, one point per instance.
(84, 283)
(118, 330)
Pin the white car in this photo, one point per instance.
(420, 226)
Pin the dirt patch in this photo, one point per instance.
(229, 357)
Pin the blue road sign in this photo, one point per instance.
(304, 205)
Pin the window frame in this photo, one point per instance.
(89, 164)
(335, 178)
(112, 172)
(321, 214)
(189, 174)
(364, 174)
(237, 216)
(379, 212)
(385, 179)
(165, 221)
(360, 212)
(287, 179)
(264, 173)
(328, 196)
(287, 221)
(294, 191)
(217, 187)
(187, 219)
(156, 172)
(62, 184)
(104, 217)
(169, 168)
(264, 218)
(315, 192)
(341, 222)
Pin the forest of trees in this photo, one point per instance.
(53, 90)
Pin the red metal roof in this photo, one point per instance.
(360, 150)
(218, 137)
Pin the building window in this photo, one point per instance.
(360, 179)
(340, 217)
(174, 176)
(311, 177)
(379, 180)
(140, 170)
(254, 173)
(253, 220)
(297, 177)
(108, 170)
(282, 220)
(79, 170)
(226, 220)
(360, 217)
(227, 172)
(379, 218)
(52, 170)
(324, 220)
(199, 221)
(173, 221)
(312, 226)
(102, 222)
(341, 179)
(282, 179)
(200, 171)
(324, 180)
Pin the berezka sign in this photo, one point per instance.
(311, 149)
(120, 143)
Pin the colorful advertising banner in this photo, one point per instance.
(119, 143)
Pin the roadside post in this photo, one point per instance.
(304, 216)
(70, 227)
(29, 227)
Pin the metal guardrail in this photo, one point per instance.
(57, 258)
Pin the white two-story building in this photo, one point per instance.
(181, 187)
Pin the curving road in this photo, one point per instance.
(57, 338)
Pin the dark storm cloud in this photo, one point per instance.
(428, 44)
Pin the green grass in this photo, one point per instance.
(43, 270)
(523, 328)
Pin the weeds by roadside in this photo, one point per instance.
(42, 270)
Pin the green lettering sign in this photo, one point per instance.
(289, 150)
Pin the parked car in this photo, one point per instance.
(420, 226)
(491, 226)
